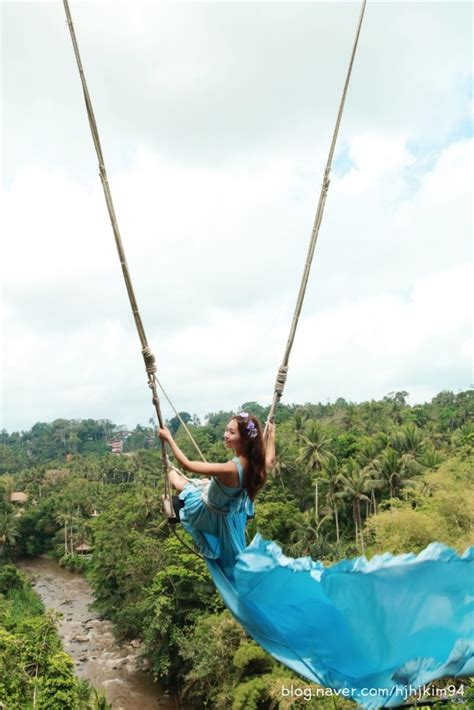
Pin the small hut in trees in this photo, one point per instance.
(19, 497)
(83, 549)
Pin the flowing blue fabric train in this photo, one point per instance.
(378, 628)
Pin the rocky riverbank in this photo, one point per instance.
(89, 640)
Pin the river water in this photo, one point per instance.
(89, 640)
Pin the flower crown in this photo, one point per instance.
(251, 428)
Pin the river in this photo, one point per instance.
(89, 640)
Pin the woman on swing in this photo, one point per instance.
(215, 512)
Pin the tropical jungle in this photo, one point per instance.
(350, 479)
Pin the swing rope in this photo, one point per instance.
(283, 369)
(149, 358)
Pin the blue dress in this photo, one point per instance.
(215, 515)
(373, 631)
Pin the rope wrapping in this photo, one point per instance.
(150, 362)
(281, 380)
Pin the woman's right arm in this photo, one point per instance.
(270, 455)
(202, 468)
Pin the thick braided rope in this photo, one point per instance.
(149, 358)
(283, 369)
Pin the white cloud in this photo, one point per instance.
(215, 134)
(376, 157)
(218, 297)
(367, 348)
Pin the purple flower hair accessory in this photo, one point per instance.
(251, 428)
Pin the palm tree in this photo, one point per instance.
(89, 468)
(77, 525)
(390, 469)
(409, 442)
(356, 483)
(314, 446)
(304, 537)
(283, 464)
(349, 417)
(8, 483)
(431, 458)
(299, 418)
(314, 453)
(63, 520)
(368, 459)
(368, 451)
(396, 470)
(331, 471)
(8, 532)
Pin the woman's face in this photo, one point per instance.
(231, 434)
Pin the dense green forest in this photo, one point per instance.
(350, 479)
(34, 670)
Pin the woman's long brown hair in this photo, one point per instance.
(256, 475)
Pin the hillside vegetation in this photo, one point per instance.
(350, 479)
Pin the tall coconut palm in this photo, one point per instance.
(76, 521)
(314, 451)
(356, 483)
(368, 459)
(396, 470)
(331, 470)
(390, 469)
(410, 443)
(314, 448)
(63, 519)
(300, 417)
(369, 451)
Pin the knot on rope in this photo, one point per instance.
(281, 379)
(150, 363)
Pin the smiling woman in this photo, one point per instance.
(216, 513)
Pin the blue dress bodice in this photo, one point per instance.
(216, 515)
(223, 499)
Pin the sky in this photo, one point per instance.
(215, 121)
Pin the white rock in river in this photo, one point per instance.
(80, 638)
